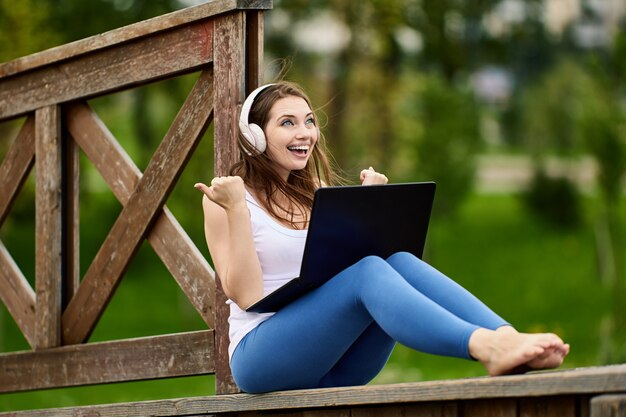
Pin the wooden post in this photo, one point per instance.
(49, 229)
(608, 406)
(229, 59)
(254, 53)
(71, 235)
(238, 63)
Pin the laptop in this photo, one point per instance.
(349, 223)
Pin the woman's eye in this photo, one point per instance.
(310, 121)
(287, 123)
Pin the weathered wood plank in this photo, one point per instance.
(186, 263)
(490, 408)
(430, 409)
(104, 273)
(228, 64)
(608, 406)
(15, 291)
(102, 149)
(334, 412)
(127, 33)
(255, 30)
(71, 219)
(16, 166)
(169, 240)
(584, 380)
(49, 227)
(576, 382)
(121, 360)
(17, 295)
(183, 49)
(583, 405)
(558, 406)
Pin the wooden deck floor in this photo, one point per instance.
(595, 392)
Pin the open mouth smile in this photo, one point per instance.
(301, 150)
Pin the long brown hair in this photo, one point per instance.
(258, 172)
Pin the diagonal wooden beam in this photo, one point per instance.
(106, 270)
(17, 295)
(169, 240)
(15, 291)
(16, 166)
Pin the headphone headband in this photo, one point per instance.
(247, 104)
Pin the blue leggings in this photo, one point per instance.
(343, 332)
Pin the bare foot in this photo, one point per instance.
(551, 358)
(506, 351)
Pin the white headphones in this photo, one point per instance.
(252, 132)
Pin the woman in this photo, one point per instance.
(343, 332)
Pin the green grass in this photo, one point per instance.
(536, 277)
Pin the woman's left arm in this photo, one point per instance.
(371, 177)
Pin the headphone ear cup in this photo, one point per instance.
(248, 136)
(258, 137)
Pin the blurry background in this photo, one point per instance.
(516, 108)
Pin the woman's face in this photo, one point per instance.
(291, 133)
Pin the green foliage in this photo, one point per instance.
(24, 28)
(551, 107)
(602, 125)
(554, 200)
(80, 19)
(575, 109)
(443, 146)
(571, 111)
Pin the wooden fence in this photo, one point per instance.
(222, 41)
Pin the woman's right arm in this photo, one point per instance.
(228, 233)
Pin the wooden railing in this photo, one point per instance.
(222, 40)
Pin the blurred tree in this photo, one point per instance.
(24, 28)
(549, 114)
(442, 139)
(361, 80)
(75, 20)
(574, 110)
(603, 126)
(356, 77)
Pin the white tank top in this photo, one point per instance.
(280, 250)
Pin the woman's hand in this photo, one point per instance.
(227, 192)
(228, 233)
(371, 177)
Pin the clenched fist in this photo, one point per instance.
(371, 177)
